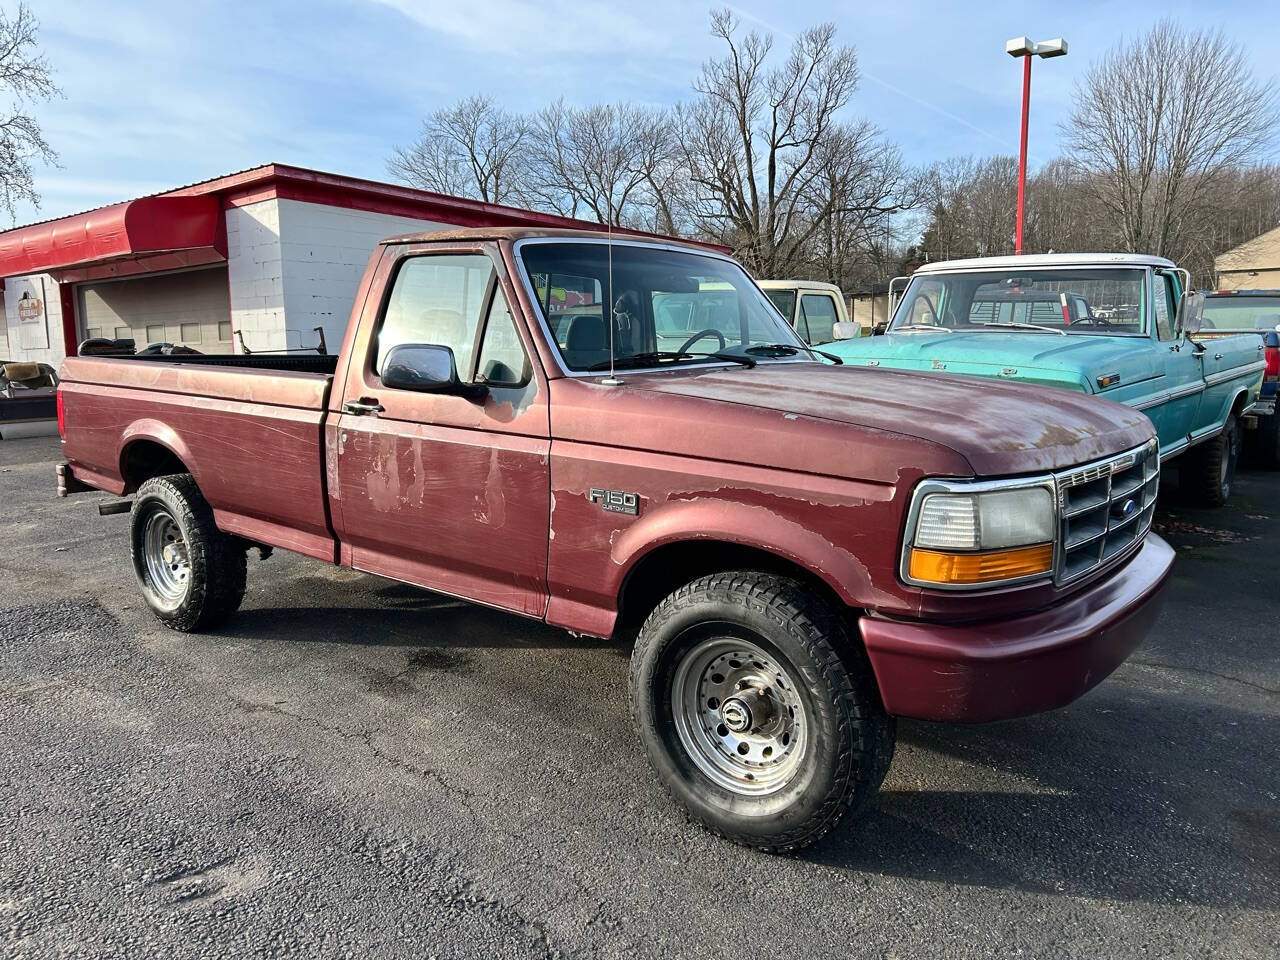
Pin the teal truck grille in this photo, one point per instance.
(1104, 508)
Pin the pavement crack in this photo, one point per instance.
(1203, 672)
(364, 737)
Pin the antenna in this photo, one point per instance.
(611, 380)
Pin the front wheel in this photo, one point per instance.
(191, 573)
(750, 717)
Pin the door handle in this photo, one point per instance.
(1217, 356)
(363, 406)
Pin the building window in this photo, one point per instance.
(190, 332)
(224, 331)
(124, 333)
(93, 333)
(155, 333)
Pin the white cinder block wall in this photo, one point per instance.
(293, 266)
(325, 250)
(255, 275)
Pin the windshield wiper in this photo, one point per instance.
(653, 357)
(1023, 326)
(787, 350)
(932, 327)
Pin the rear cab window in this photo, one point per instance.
(1246, 313)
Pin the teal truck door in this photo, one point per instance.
(1184, 372)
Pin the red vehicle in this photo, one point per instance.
(803, 551)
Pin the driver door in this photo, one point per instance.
(447, 492)
(1183, 371)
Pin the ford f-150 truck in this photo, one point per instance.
(1099, 323)
(802, 551)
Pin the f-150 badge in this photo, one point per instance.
(615, 501)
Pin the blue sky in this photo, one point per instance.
(160, 94)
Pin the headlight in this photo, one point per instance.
(974, 534)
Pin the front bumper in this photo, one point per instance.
(973, 673)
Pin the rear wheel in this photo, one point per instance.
(191, 573)
(749, 716)
(1210, 469)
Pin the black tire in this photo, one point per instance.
(1265, 442)
(1210, 468)
(208, 587)
(844, 738)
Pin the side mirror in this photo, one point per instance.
(846, 330)
(1190, 313)
(427, 368)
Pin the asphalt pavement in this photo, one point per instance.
(353, 767)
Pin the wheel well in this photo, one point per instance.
(662, 570)
(144, 459)
(1237, 405)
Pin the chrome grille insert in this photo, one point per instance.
(1104, 508)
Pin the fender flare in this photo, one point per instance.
(747, 525)
(155, 431)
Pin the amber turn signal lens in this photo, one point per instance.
(936, 567)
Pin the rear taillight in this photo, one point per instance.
(1273, 364)
(62, 416)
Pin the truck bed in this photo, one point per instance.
(251, 434)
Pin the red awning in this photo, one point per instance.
(122, 231)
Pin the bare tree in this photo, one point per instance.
(613, 163)
(970, 200)
(472, 148)
(1157, 123)
(27, 78)
(866, 180)
(758, 139)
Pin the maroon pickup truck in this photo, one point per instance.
(623, 437)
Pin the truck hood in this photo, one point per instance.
(999, 428)
(1074, 361)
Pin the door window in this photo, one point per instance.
(819, 313)
(439, 300)
(503, 362)
(1163, 303)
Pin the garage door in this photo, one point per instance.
(191, 308)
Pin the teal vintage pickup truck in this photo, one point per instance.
(1105, 323)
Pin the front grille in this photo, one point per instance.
(1103, 509)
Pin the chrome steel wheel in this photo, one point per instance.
(739, 716)
(165, 553)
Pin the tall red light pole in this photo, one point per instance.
(1025, 48)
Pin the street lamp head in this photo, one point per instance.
(1026, 47)
(1020, 47)
(1057, 47)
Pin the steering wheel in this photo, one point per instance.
(709, 332)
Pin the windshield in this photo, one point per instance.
(1091, 300)
(1241, 313)
(664, 303)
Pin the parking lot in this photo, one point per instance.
(355, 767)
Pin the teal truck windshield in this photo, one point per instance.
(1078, 301)
(666, 306)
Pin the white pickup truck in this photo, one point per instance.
(816, 310)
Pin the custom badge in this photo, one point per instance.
(615, 501)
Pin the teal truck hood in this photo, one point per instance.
(1074, 361)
